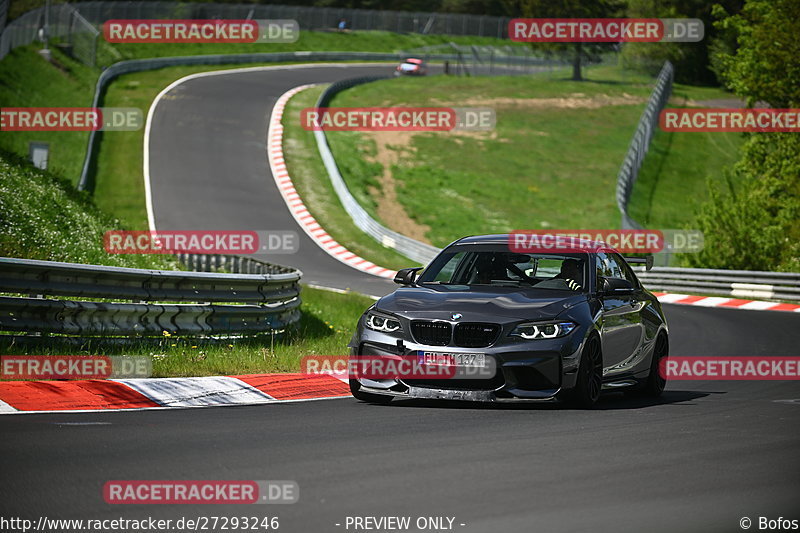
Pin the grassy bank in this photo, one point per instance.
(28, 80)
(551, 162)
(42, 216)
(672, 182)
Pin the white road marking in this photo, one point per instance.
(188, 392)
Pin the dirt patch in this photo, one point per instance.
(390, 147)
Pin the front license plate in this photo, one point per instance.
(475, 360)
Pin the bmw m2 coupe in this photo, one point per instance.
(532, 326)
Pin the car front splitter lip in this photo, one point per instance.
(423, 393)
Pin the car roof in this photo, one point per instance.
(414, 60)
(503, 238)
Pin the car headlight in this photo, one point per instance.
(382, 323)
(542, 330)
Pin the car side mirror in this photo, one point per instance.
(614, 286)
(406, 276)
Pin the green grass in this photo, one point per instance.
(325, 328)
(545, 167)
(672, 182)
(70, 84)
(43, 217)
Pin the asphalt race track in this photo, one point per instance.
(209, 169)
(700, 458)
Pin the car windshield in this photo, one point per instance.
(499, 267)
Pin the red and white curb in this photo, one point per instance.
(730, 303)
(18, 397)
(304, 219)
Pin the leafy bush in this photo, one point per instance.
(756, 225)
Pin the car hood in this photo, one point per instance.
(478, 303)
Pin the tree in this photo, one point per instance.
(691, 60)
(755, 225)
(573, 9)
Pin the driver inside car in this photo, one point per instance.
(488, 268)
(571, 273)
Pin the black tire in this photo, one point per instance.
(355, 390)
(655, 383)
(590, 375)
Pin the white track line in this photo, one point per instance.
(151, 112)
(202, 391)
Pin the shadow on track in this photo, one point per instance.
(608, 402)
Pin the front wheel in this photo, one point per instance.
(590, 375)
(654, 385)
(655, 381)
(355, 390)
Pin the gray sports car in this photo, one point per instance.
(501, 325)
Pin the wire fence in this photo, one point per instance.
(475, 60)
(309, 18)
(61, 23)
(76, 24)
(640, 143)
(4, 4)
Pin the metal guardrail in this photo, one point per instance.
(411, 248)
(262, 302)
(237, 264)
(641, 143)
(759, 285)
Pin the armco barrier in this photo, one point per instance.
(413, 249)
(641, 142)
(733, 283)
(253, 303)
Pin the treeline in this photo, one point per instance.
(756, 225)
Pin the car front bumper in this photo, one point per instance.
(525, 370)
